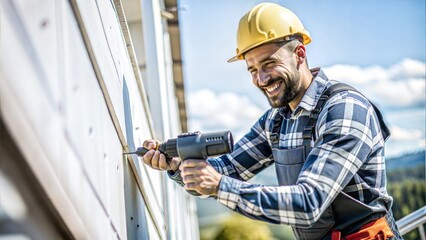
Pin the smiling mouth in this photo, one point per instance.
(272, 89)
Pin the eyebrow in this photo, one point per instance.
(260, 62)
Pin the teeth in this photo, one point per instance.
(273, 87)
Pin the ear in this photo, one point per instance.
(300, 52)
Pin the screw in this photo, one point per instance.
(44, 23)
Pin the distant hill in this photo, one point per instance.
(402, 162)
(408, 160)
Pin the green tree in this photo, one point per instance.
(238, 227)
(409, 195)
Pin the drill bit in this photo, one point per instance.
(127, 153)
(139, 151)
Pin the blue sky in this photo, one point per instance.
(377, 46)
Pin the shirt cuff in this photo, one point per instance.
(175, 176)
(229, 191)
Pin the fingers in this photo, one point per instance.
(162, 163)
(150, 144)
(192, 168)
(153, 158)
(200, 176)
(193, 163)
(148, 157)
(174, 164)
(159, 161)
(192, 182)
(156, 160)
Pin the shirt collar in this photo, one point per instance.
(312, 94)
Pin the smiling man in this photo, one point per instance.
(325, 139)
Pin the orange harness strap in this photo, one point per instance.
(375, 230)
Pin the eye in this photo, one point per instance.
(253, 72)
(269, 64)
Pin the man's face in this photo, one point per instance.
(274, 72)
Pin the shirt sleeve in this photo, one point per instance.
(344, 143)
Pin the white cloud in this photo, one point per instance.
(422, 143)
(408, 68)
(400, 85)
(407, 131)
(226, 111)
(403, 134)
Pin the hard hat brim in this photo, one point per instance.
(240, 56)
(235, 58)
(305, 40)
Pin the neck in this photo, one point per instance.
(306, 78)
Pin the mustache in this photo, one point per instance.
(273, 81)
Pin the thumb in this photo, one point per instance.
(151, 144)
(174, 163)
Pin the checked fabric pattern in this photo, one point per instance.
(347, 155)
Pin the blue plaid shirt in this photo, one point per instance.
(347, 155)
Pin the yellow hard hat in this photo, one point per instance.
(264, 23)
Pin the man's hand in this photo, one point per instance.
(200, 176)
(156, 160)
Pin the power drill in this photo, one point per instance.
(194, 145)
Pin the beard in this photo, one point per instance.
(291, 88)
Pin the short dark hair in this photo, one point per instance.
(290, 45)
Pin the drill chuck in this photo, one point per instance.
(169, 148)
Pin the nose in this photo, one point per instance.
(263, 78)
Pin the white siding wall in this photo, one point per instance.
(73, 102)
